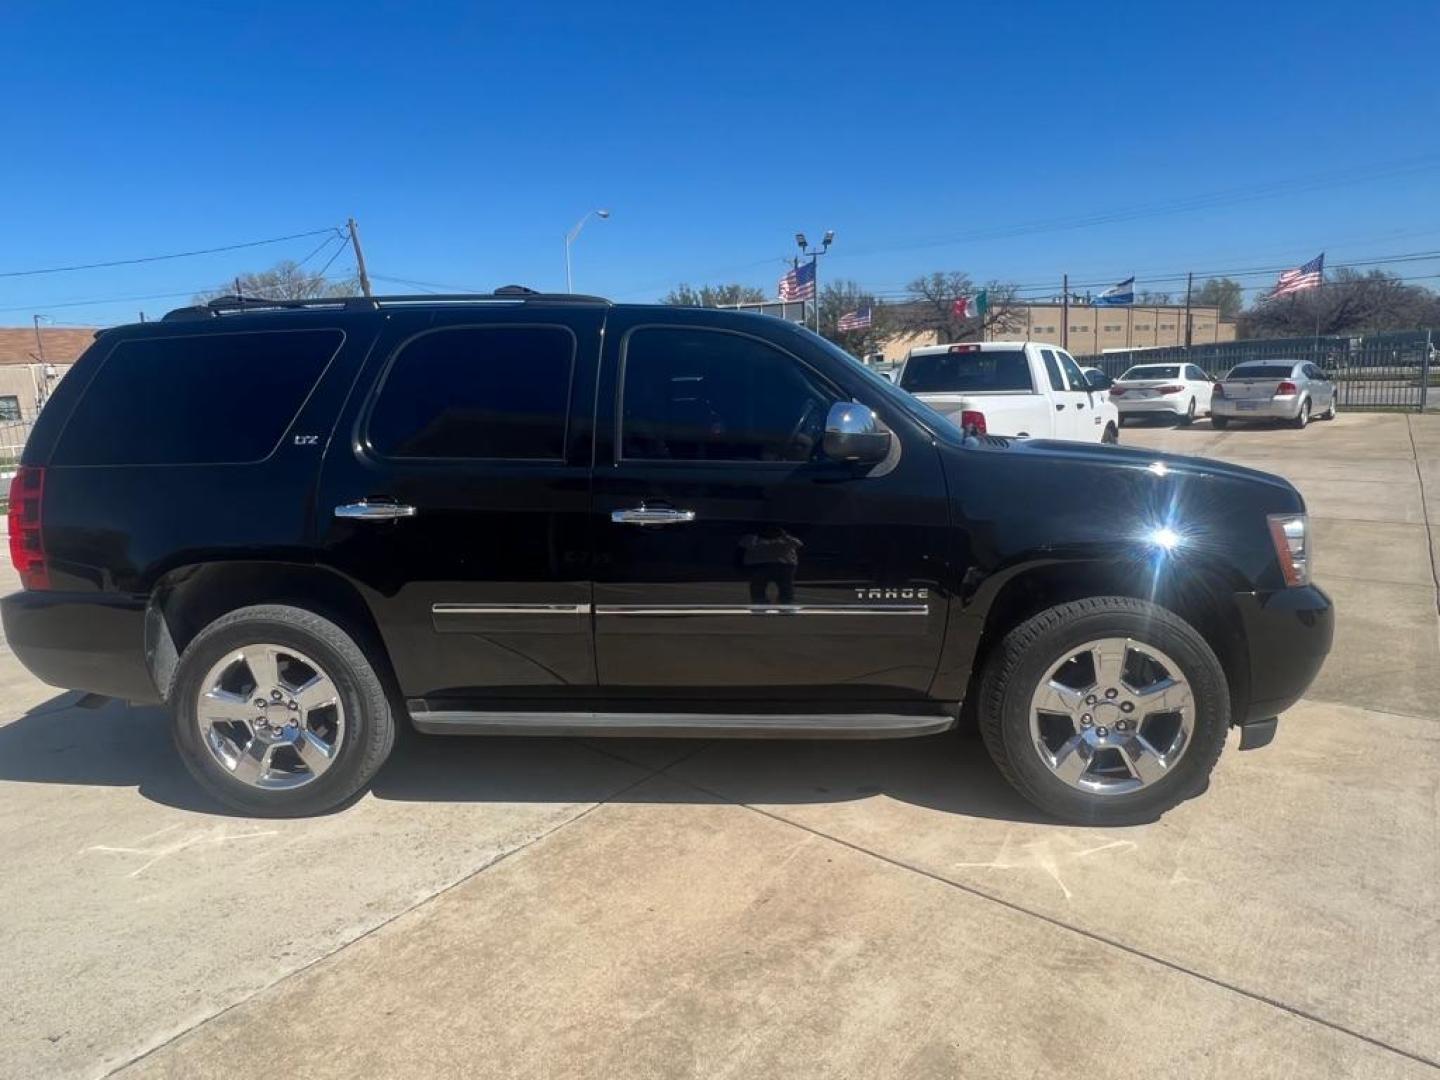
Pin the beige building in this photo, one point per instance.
(1094, 330)
(27, 380)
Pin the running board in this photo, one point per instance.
(686, 725)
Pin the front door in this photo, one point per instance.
(456, 496)
(731, 557)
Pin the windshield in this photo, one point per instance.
(1153, 371)
(937, 422)
(967, 372)
(1261, 371)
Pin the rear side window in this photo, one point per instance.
(477, 392)
(207, 399)
(1052, 370)
(967, 372)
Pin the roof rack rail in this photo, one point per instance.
(509, 294)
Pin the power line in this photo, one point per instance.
(162, 258)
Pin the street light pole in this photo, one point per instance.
(570, 239)
(815, 253)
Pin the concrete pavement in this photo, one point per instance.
(558, 908)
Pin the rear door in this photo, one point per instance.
(1088, 423)
(1064, 402)
(733, 560)
(456, 494)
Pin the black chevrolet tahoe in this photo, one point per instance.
(301, 525)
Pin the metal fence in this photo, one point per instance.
(1377, 371)
(13, 434)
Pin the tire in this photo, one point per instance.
(1111, 436)
(1221, 422)
(358, 720)
(1329, 414)
(1120, 420)
(1189, 417)
(1027, 655)
(1302, 418)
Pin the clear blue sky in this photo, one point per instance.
(467, 140)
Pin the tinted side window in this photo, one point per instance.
(477, 392)
(703, 395)
(1052, 370)
(205, 399)
(1193, 373)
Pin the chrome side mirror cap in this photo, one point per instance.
(854, 433)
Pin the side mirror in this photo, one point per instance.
(1098, 380)
(853, 433)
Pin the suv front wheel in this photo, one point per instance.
(1105, 711)
(278, 712)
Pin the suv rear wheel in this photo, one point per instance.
(278, 713)
(1107, 711)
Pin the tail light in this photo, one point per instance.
(27, 548)
(1290, 535)
(1117, 391)
(972, 421)
(1219, 390)
(1168, 389)
(1286, 387)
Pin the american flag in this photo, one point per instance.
(1302, 277)
(799, 283)
(856, 320)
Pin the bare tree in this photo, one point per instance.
(714, 295)
(1348, 303)
(1147, 296)
(841, 297)
(286, 280)
(930, 307)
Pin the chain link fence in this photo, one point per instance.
(1395, 371)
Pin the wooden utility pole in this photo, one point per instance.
(359, 257)
(1189, 284)
(1065, 312)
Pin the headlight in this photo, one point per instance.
(1291, 536)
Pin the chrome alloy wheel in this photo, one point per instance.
(1112, 716)
(271, 716)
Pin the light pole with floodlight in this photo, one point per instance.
(570, 239)
(815, 253)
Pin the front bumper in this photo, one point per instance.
(1272, 408)
(82, 641)
(1289, 632)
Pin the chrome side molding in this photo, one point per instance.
(510, 609)
(762, 609)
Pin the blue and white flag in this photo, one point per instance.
(1117, 295)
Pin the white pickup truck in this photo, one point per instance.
(1011, 388)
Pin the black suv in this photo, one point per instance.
(300, 525)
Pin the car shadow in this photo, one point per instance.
(116, 745)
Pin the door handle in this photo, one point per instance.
(1059, 406)
(645, 515)
(1079, 405)
(376, 511)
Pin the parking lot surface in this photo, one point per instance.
(544, 908)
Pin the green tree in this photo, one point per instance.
(685, 295)
(840, 297)
(1225, 293)
(286, 280)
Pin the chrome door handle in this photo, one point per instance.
(376, 511)
(644, 515)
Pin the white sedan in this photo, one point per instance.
(1179, 390)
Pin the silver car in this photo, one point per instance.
(1289, 390)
